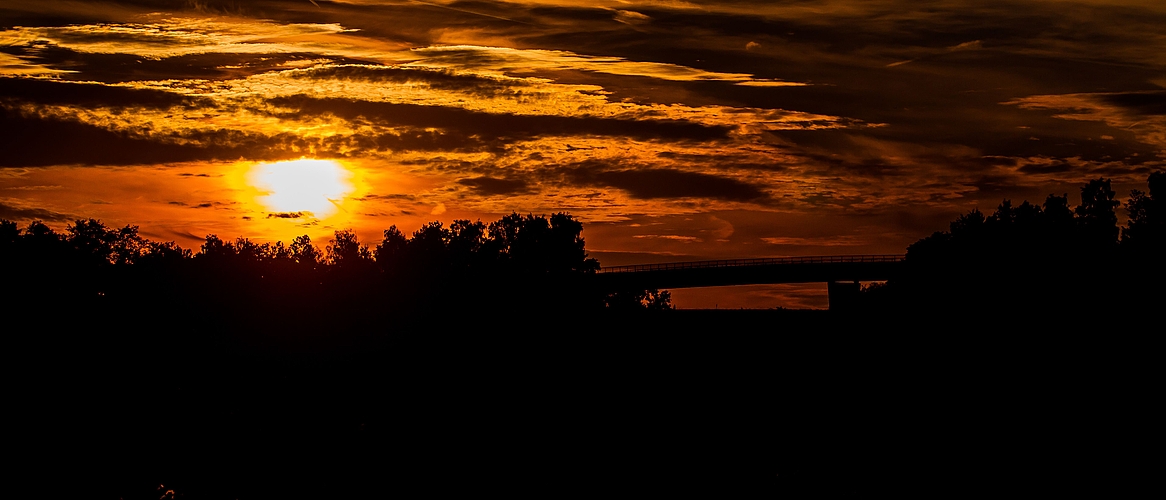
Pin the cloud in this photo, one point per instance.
(823, 241)
(1046, 166)
(631, 17)
(769, 83)
(675, 237)
(1142, 113)
(31, 141)
(501, 126)
(494, 187)
(972, 45)
(163, 35)
(433, 78)
(518, 61)
(85, 94)
(121, 67)
(12, 65)
(16, 213)
(1149, 103)
(665, 183)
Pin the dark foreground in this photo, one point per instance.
(727, 404)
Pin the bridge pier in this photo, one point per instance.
(842, 295)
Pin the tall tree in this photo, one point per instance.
(390, 251)
(303, 252)
(345, 250)
(92, 241)
(1145, 232)
(1096, 214)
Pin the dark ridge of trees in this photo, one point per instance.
(1044, 262)
(517, 263)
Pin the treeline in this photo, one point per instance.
(514, 264)
(1028, 259)
(1033, 260)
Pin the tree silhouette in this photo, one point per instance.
(1057, 214)
(468, 246)
(1034, 261)
(215, 248)
(390, 250)
(428, 250)
(538, 261)
(9, 232)
(1145, 232)
(1096, 216)
(345, 250)
(304, 253)
(538, 245)
(92, 240)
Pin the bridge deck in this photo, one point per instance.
(806, 269)
(701, 264)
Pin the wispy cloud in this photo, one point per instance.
(1142, 113)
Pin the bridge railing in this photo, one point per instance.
(821, 259)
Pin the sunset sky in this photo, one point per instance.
(674, 130)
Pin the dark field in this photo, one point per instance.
(713, 404)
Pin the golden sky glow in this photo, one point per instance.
(675, 130)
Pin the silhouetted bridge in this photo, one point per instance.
(842, 273)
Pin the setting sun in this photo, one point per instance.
(313, 186)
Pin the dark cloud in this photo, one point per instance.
(405, 197)
(288, 215)
(1140, 103)
(1053, 166)
(119, 68)
(967, 61)
(722, 161)
(30, 141)
(440, 79)
(423, 20)
(34, 142)
(664, 183)
(75, 12)
(994, 188)
(11, 213)
(501, 127)
(405, 139)
(912, 148)
(206, 204)
(89, 95)
(41, 13)
(490, 186)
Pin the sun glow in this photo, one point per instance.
(315, 187)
